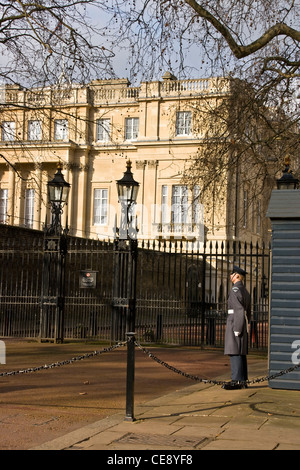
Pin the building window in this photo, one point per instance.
(179, 210)
(183, 123)
(3, 205)
(164, 205)
(258, 218)
(34, 130)
(29, 207)
(100, 207)
(196, 204)
(245, 208)
(131, 128)
(253, 217)
(61, 129)
(8, 130)
(103, 130)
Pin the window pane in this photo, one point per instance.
(183, 122)
(61, 129)
(196, 204)
(179, 204)
(34, 130)
(245, 209)
(103, 130)
(258, 218)
(131, 128)
(8, 130)
(29, 207)
(3, 205)
(164, 205)
(100, 207)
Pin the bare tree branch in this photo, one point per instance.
(279, 29)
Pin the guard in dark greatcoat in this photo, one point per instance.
(236, 336)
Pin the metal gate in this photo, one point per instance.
(183, 288)
(180, 296)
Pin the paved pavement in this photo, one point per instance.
(39, 407)
(197, 417)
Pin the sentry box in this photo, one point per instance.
(87, 279)
(284, 325)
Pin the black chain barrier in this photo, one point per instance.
(63, 363)
(210, 381)
(151, 356)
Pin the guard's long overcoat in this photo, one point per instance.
(238, 303)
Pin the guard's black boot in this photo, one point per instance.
(234, 386)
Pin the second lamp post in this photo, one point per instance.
(54, 259)
(127, 192)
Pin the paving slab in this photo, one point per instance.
(82, 406)
(202, 417)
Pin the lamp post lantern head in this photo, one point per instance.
(58, 192)
(58, 189)
(287, 181)
(128, 187)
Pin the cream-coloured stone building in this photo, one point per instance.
(93, 130)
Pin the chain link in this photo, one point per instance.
(151, 356)
(209, 381)
(63, 363)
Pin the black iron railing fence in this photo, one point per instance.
(181, 290)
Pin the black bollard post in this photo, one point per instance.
(130, 377)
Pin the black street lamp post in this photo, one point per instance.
(125, 286)
(55, 251)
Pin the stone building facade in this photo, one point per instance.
(93, 130)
